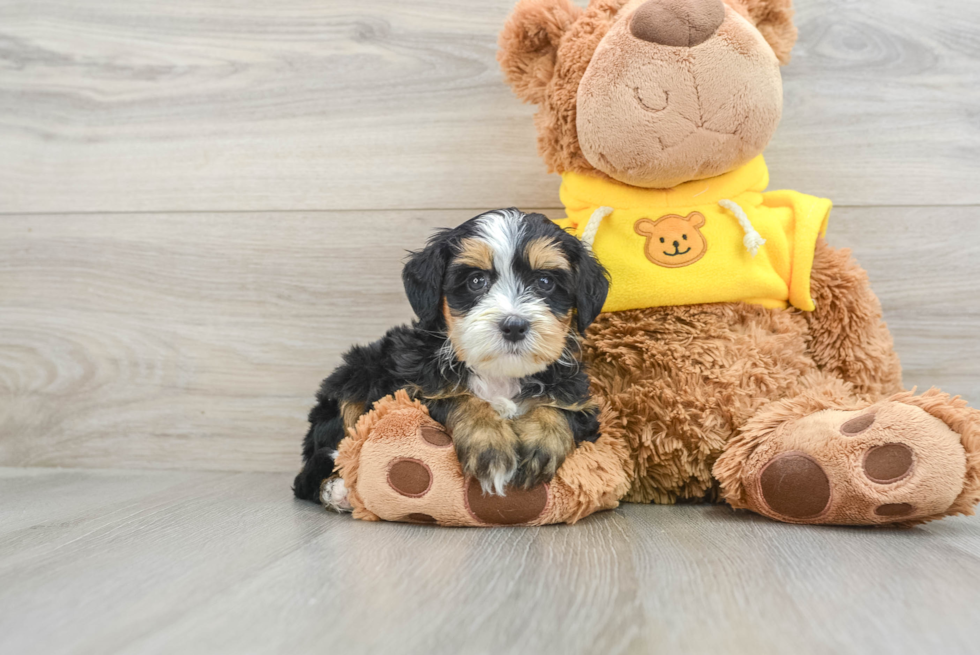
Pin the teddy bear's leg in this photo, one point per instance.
(826, 457)
(398, 464)
(684, 379)
(849, 339)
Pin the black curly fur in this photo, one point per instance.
(415, 357)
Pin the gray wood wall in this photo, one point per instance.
(203, 203)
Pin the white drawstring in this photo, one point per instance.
(588, 234)
(752, 240)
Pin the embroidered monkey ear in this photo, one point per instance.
(529, 44)
(774, 19)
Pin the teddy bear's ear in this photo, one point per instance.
(644, 227)
(774, 19)
(529, 43)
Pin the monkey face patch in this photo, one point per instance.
(673, 241)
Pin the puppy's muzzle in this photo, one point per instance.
(514, 328)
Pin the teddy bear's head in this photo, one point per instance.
(673, 240)
(650, 92)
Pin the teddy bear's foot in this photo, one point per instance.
(896, 461)
(400, 465)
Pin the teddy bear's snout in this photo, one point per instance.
(679, 23)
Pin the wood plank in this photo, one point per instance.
(118, 105)
(165, 324)
(880, 103)
(229, 563)
(194, 105)
(198, 340)
(929, 285)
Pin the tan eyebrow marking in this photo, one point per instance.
(544, 253)
(475, 253)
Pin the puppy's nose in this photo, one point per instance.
(679, 23)
(677, 244)
(514, 328)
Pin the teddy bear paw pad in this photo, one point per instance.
(888, 463)
(409, 477)
(515, 507)
(408, 472)
(795, 485)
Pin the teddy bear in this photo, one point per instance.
(739, 358)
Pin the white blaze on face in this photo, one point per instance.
(478, 333)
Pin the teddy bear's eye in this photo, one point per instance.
(661, 239)
(684, 236)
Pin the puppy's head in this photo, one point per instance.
(508, 288)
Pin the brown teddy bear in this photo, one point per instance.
(739, 358)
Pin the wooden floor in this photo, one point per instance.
(203, 203)
(193, 562)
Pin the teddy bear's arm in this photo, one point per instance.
(848, 335)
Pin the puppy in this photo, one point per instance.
(502, 302)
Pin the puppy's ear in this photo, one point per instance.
(591, 290)
(423, 278)
(591, 279)
(529, 44)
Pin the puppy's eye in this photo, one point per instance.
(545, 283)
(684, 236)
(661, 239)
(477, 282)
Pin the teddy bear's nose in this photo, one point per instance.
(679, 23)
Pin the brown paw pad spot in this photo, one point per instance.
(436, 436)
(409, 477)
(894, 509)
(517, 506)
(794, 485)
(858, 424)
(418, 517)
(888, 463)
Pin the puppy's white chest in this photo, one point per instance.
(500, 392)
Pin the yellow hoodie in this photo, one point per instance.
(680, 246)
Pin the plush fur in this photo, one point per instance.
(517, 404)
(796, 415)
(593, 478)
(547, 47)
(774, 20)
(706, 397)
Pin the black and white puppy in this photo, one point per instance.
(502, 302)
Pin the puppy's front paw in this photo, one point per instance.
(493, 466)
(539, 463)
(546, 439)
(334, 494)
